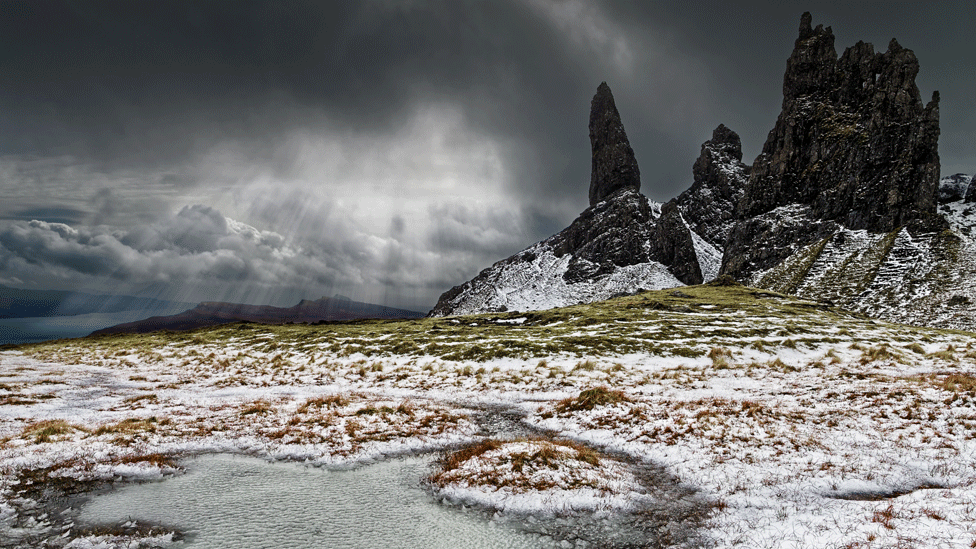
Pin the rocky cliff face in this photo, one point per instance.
(970, 194)
(720, 177)
(854, 145)
(620, 244)
(956, 187)
(841, 204)
(614, 164)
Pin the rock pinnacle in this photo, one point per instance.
(614, 165)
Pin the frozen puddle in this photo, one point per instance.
(240, 502)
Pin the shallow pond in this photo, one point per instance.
(240, 502)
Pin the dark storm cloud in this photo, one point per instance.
(51, 215)
(398, 144)
(196, 246)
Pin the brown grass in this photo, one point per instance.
(43, 431)
(721, 357)
(130, 426)
(157, 459)
(329, 401)
(546, 454)
(884, 517)
(257, 407)
(591, 398)
(455, 459)
(150, 398)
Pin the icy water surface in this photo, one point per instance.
(241, 502)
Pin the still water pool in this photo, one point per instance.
(244, 502)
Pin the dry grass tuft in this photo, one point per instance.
(958, 383)
(879, 353)
(455, 459)
(44, 431)
(543, 454)
(330, 401)
(156, 459)
(884, 517)
(590, 398)
(257, 407)
(130, 426)
(721, 357)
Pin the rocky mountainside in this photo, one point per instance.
(620, 244)
(854, 147)
(843, 204)
(913, 276)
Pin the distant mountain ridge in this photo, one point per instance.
(843, 204)
(23, 303)
(215, 313)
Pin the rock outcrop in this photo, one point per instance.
(844, 204)
(971, 191)
(614, 163)
(620, 244)
(854, 145)
(956, 187)
(720, 177)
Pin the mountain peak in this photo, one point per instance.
(614, 164)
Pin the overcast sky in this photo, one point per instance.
(387, 150)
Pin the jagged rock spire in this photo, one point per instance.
(614, 164)
(720, 177)
(854, 144)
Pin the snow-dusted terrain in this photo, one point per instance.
(791, 423)
(924, 278)
(539, 284)
(538, 278)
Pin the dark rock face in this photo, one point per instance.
(620, 243)
(854, 143)
(625, 231)
(671, 244)
(954, 188)
(971, 191)
(614, 164)
(611, 234)
(708, 206)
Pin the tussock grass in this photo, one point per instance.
(131, 426)
(328, 401)
(257, 407)
(47, 430)
(148, 398)
(455, 459)
(591, 398)
(721, 357)
(517, 469)
(880, 353)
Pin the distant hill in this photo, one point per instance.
(216, 313)
(21, 303)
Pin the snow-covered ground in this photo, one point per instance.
(801, 425)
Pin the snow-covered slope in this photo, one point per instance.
(608, 251)
(924, 278)
(540, 283)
